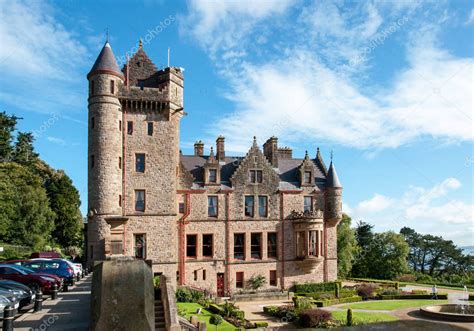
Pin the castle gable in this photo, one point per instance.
(140, 68)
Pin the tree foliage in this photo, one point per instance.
(346, 246)
(38, 205)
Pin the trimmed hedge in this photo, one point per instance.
(260, 324)
(316, 287)
(325, 303)
(381, 282)
(216, 309)
(441, 296)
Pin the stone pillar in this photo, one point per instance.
(220, 150)
(198, 148)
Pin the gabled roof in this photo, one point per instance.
(140, 68)
(106, 63)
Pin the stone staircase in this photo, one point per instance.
(159, 316)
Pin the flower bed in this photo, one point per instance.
(441, 296)
(382, 283)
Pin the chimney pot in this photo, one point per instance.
(198, 148)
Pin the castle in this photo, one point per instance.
(210, 221)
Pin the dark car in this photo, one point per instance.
(28, 277)
(59, 268)
(26, 295)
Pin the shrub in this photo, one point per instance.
(229, 309)
(366, 290)
(216, 309)
(205, 302)
(336, 292)
(302, 303)
(408, 278)
(260, 324)
(390, 291)
(156, 281)
(337, 301)
(257, 281)
(313, 318)
(181, 311)
(216, 320)
(419, 292)
(349, 321)
(184, 294)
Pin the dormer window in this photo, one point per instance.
(307, 177)
(212, 176)
(255, 176)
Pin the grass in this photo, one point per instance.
(470, 289)
(392, 304)
(205, 315)
(363, 317)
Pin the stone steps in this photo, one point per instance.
(159, 316)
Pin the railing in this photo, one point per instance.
(306, 215)
(169, 304)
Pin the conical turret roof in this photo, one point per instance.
(332, 179)
(106, 63)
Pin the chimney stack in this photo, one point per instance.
(198, 148)
(270, 150)
(220, 150)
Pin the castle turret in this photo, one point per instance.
(104, 150)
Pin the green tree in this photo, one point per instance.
(388, 256)
(24, 152)
(346, 246)
(65, 202)
(7, 126)
(25, 216)
(365, 242)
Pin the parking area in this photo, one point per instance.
(70, 311)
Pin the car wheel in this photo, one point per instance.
(34, 287)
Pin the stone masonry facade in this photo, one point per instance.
(208, 221)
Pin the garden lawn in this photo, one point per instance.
(205, 315)
(392, 304)
(363, 317)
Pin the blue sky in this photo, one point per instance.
(387, 85)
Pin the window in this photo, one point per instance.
(92, 122)
(207, 249)
(150, 128)
(120, 162)
(92, 161)
(256, 246)
(313, 249)
(140, 246)
(140, 162)
(112, 86)
(120, 125)
(249, 203)
(262, 206)
(130, 127)
(239, 246)
(273, 278)
(116, 247)
(140, 200)
(300, 244)
(239, 279)
(204, 274)
(212, 206)
(195, 275)
(191, 244)
(256, 176)
(308, 204)
(181, 208)
(307, 177)
(272, 245)
(212, 176)
(120, 200)
(92, 86)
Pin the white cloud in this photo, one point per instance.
(307, 89)
(57, 141)
(376, 204)
(428, 210)
(470, 19)
(33, 42)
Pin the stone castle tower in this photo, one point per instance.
(211, 221)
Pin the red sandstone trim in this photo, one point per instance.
(182, 234)
(190, 191)
(227, 250)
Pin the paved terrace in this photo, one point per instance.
(69, 312)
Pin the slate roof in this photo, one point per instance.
(332, 180)
(106, 62)
(287, 170)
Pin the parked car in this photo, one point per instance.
(26, 295)
(47, 255)
(28, 277)
(17, 262)
(77, 267)
(13, 298)
(56, 267)
(3, 303)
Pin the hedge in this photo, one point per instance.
(441, 296)
(324, 303)
(316, 287)
(261, 324)
(384, 283)
(216, 309)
